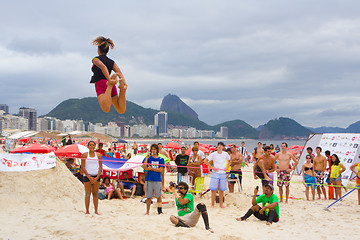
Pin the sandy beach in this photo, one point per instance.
(49, 204)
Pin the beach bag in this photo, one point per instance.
(139, 190)
(102, 193)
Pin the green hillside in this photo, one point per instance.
(238, 129)
(88, 109)
(283, 128)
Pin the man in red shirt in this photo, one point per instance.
(101, 150)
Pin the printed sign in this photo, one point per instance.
(26, 162)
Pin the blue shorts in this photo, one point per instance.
(128, 185)
(218, 182)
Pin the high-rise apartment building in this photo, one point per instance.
(161, 123)
(5, 108)
(31, 115)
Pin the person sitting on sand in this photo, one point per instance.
(188, 216)
(269, 211)
(309, 177)
(110, 189)
(127, 183)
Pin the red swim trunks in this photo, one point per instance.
(100, 88)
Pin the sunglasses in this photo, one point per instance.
(308, 158)
(180, 188)
(194, 150)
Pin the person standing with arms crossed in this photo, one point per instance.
(319, 169)
(217, 161)
(91, 166)
(154, 165)
(284, 169)
(236, 160)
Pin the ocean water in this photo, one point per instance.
(250, 144)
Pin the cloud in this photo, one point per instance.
(253, 61)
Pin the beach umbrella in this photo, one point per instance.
(205, 150)
(121, 141)
(143, 145)
(172, 145)
(73, 150)
(24, 140)
(34, 148)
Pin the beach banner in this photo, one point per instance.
(114, 167)
(26, 162)
(345, 146)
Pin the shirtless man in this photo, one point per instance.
(235, 163)
(319, 169)
(135, 148)
(258, 152)
(283, 169)
(264, 167)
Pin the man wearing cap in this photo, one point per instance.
(269, 211)
(217, 161)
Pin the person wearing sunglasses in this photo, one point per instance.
(309, 177)
(188, 215)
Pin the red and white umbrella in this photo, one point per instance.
(73, 150)
(34, 148)
(172, 145)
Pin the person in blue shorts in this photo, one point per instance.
(217, 161)
(127, 183)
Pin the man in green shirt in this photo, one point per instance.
(269, 211)
(188, 215)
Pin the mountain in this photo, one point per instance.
(238, 129)
(174, 104)
(283, 128)
(327, 130)
(353, 128)
(88, 109)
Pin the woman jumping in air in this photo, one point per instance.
(104, 83)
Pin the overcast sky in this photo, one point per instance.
(248, 60)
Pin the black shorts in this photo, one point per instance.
(235, 174)
(263, 216)
(86, 179)
(260, 174)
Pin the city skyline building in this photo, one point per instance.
(5, 108)
(161, 123)
(31, 115)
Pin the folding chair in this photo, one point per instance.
(236, 179)
(199, 186)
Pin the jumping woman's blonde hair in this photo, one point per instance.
(103, 43)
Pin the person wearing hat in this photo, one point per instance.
(269, 211)
(217, 161)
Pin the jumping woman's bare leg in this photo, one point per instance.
(119, 102)
(105, 99)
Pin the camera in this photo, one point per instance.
(172, 184)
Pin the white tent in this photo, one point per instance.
(344, 145)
